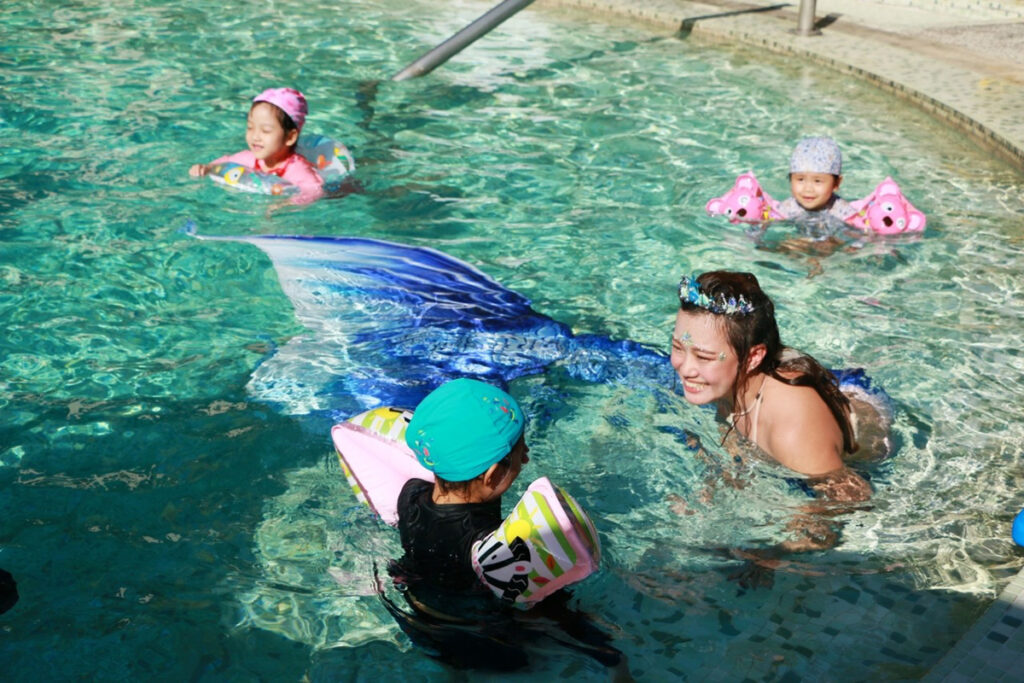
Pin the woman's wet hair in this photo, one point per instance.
(746, 329)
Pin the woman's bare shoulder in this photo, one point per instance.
(785, 397)
(799, 430)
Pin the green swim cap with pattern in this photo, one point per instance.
(463, 427)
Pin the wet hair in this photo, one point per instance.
(282, 118)
(745, 330)
(462, 487)
(457, 487)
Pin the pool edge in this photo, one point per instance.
(993, 647)
(953, 92)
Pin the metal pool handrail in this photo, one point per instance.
(805, 22)
(446, 50)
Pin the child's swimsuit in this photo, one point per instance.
(827, 221)
(296, 169)
(438, 538)
(454, 615)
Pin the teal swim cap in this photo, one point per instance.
(463, 427)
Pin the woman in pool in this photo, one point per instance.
(727, 351)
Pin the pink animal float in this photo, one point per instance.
(887, 212)
(883, 212)
(746, 202)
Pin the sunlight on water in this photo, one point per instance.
(184, 521)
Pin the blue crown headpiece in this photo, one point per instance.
(690, 291)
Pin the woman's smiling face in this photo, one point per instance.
(703, 358)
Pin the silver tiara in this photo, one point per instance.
(690, 291)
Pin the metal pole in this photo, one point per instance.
(451, 47)
(805, 24)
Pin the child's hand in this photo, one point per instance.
(276, 206)
(199, 170)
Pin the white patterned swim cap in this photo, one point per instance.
(816, 155)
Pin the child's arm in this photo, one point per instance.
(244, 158)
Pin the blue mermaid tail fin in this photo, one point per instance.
(855, 381)
(389, 322)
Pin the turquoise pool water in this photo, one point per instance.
(164, 522)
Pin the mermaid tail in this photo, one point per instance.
(390, 322)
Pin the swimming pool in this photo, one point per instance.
(163, 522)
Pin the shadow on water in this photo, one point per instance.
(686, 28)
(835, 595)
(440, 94)
(8, 591)
(153, 527)
(400, 202)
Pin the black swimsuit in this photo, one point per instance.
(453, 614)
(438, 538)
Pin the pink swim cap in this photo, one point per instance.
(290, 101)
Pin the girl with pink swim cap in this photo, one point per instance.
(272, 131)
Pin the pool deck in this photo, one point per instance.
(962, 61)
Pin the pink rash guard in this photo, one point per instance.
(295, 169)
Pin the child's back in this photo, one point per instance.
(470, 434)
(438, 539)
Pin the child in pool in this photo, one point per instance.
(815, 173)
(470, 435)
(272, 131)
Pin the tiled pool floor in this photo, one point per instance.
(993, 650)
(962, 60)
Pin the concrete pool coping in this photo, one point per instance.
(960, 60)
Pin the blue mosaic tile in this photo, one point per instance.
(969, 100)
(998, 637)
